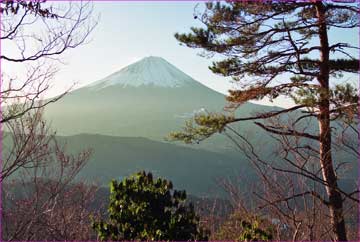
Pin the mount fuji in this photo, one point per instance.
(149, 98)
(124, 115)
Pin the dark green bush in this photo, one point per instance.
(240, 227)
(144, 208)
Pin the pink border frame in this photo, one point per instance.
(148, 1)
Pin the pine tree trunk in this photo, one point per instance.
(335, 199)
(328, 173)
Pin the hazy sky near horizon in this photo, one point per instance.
(129, 31)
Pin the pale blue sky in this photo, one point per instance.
(129, 31)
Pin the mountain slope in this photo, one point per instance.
(117, 157)
(149, 98)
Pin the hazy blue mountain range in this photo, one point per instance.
(198, 171)
(195, 170)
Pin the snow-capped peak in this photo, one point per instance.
(154, 71)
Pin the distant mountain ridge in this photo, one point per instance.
(117, 157)
(197, 171)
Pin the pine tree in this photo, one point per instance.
(262, 41)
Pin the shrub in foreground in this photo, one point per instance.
(144, 208)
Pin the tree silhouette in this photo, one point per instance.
(263, 41)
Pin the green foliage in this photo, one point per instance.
(201, 127)
(252, 232)
(307, 96)
(144, 208)
(238, 228)
(343, 99)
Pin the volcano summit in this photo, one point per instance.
(150, 70)
(149, 98)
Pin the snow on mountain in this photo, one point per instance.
(151, 70)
